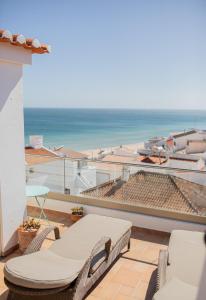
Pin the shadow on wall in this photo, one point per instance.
(10, 75)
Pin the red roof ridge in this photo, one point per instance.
(32, 44)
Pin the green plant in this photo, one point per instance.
(77, 211)
(30, 224)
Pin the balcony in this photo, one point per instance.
(156, 199)
(132, 276)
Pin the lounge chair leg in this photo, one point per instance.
(128, 245)
(10, 296)
(56, 233)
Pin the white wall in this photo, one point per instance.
(12, 171)
(181, 142)
(139, 220)
(196, 147)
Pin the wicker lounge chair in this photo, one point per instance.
(73, 263)
(181, 268)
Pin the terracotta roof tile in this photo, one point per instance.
(69, 153)
(40, 151)
(152, 159)
(155, 190)
(38, 156)
(28, 43)
(42, 155)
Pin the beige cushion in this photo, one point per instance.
(175, 289)
(86, 233)
(61, 263)
(180, 237)
(43, 269)
(187, 254)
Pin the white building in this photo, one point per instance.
(180, 139)
(63, 170)
(15, 51)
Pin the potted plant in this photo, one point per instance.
(27, 232)
(77, 213)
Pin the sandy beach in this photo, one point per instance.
(131, 148)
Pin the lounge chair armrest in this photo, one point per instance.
(162, 267)
(99, 255)
(37, 242)
(103, 243)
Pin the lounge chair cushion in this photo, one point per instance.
(180, 237)
(43, 269)
(176, 289)
(61, 263)
(187, 255)
(86, 233)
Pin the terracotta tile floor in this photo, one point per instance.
(131, 277)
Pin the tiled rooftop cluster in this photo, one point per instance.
(155, 190)
(32, 44)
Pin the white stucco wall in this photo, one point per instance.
(181, 142)
(12, 161)
(196, 146)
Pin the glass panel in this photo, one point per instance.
(147, 185)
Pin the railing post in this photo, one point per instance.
(64, 175)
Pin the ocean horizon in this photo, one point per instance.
(91, 128)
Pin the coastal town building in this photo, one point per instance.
(180, 139)
(61, 169)
(176, 142)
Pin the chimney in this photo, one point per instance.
(36, 141)
(125, 173)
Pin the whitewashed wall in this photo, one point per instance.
(196, 146)
(181, 142)
(12, 162)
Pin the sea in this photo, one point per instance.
(83, 129)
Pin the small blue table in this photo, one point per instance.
(38, 191)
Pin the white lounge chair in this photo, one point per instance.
(72, 265)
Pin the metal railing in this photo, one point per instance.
(141, 185)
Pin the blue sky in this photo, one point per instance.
(113, 53)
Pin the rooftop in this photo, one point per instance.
(69, 153)
(38, 156)
(44, 155)
(118, 158)
(19, 40)
(131, 277)
(184, 133)
(152, 159)
(157, 190)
